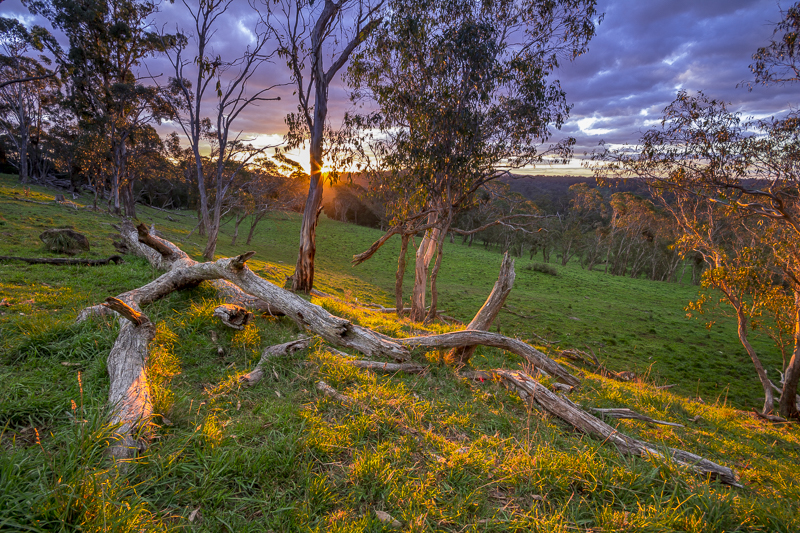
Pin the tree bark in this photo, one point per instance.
(400, 274)
(233, 316)
(788, 404)
(491, 308)
(769, 399)
(425, 251)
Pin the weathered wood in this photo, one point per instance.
(130, 399)
(490, 309)
(377, 366)
(63, 261)
(327, 390)
(287, 348)
(164, 255)
(624, 412)
(532, 391)
(471, 338)
(233, 316)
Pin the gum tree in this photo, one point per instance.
(464, 94)
(316, 39)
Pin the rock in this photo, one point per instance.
(65, 241)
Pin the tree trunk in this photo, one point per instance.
(769, 400)
(303, 278)
(425, 251)
(491, 308)
(788, 404)
(256, 219)
(213, 230)
(401, 271)
(435, 274)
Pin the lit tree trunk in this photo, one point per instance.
(769, 399)
(788, 403)
(423, 258)
(303, 279)
(401, 271)
(435, 272)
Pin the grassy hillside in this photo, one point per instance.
(438, 453)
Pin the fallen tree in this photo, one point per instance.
(63, 261)
(129, 395)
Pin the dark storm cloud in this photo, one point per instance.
(645, 51)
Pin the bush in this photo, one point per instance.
(543, 268)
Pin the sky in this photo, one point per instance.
(645, 51)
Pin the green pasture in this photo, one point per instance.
(434, 451)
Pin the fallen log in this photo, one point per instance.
(622, 412)
(287, 348)
(164, 255)
(116, 259)
(377, 366)
(490, 309)
(532, 391)
(242, 284)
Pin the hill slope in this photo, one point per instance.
(435, 451)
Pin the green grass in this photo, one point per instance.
(282, 457)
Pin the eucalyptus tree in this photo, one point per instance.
(108, 41)
(316, 40)
(464, 94)
(779, 61)
(722, 177)
(24, 84)
(199, 76)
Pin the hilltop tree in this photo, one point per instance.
(108, 40)
(310, 35)
(706, 157)
(779, 61)
(464, 95)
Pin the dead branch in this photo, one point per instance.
(233, 316)
(491, 308)
(470, 338)
(116, 259)
(622, 412)
(532, 391)
(287, 348)
(333, 393)
(377, 366)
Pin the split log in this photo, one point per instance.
(287, 348)
(233, 316)
(623, 412)
(62, 261)
(491, 308)
(532, 391)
